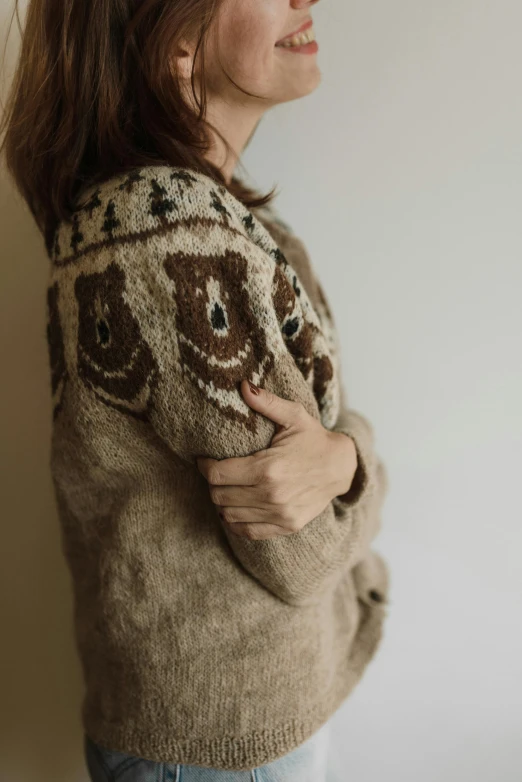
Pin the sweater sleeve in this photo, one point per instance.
(224, 311)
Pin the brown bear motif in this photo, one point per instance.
(297, 332)
(301, 335)
(114, 360)
(220, 341)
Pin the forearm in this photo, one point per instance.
(299, 567)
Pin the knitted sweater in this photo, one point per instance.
(199, 646)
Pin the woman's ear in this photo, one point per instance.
(181, 60)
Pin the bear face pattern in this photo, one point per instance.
(220, 341)
(113, 359)
(297, 332)
(302, 337)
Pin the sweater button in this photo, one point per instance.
(375, 595)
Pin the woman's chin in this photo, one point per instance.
(300, 89)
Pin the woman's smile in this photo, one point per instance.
(302, 41)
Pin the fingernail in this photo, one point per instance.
(253, 388)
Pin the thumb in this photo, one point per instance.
(281, 411)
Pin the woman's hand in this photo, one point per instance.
(277, 490)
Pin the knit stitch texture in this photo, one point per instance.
(199, 646)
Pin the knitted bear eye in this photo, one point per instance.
(217, 317)
(290, 327)
(113, 359)
(214, 292)
(104, 333)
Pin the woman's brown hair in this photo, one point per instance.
(95, 94)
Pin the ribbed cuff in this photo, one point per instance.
(360, 430)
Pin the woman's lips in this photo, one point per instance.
(301, 29)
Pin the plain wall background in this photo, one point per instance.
(402, 173)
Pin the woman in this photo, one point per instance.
(217, 497)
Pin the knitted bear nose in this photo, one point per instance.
(375, 595)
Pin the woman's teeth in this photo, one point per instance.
(299, 40)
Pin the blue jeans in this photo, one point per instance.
(306, 763)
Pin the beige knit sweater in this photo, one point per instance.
(199, 646)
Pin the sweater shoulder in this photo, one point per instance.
(150, 201)
(162, 259)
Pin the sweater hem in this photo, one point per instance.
(260, 747)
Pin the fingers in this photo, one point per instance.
(240, 514)
(239, 496)
(262, 522)
(236, 471)
(256, 523)
(284, 412)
